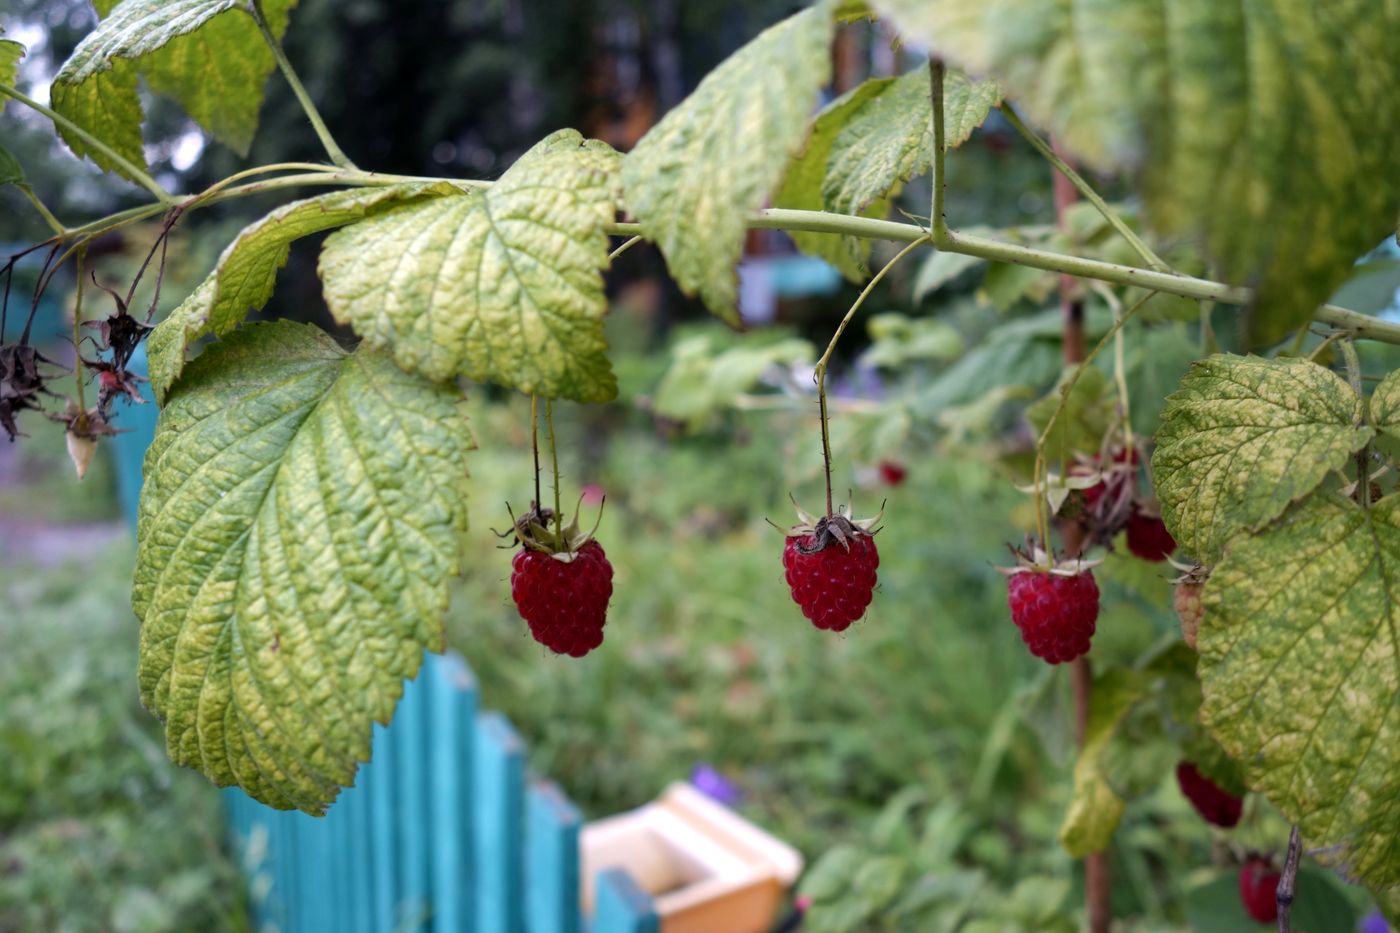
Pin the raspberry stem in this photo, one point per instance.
(819, 372)
(535, 443)
(78, 371)
(554, 457)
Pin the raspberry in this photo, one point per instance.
(833, 583)
(1187, 602)
(564, 597)
(1121, 473)
(1259, 889)
(1056, 612)
(893, 473)
(1215, 805)
(1148, 537)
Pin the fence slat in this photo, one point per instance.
(500, 781)
(360, 874)
(551, 861)
(622, 907)
(411, 822)
(451, 702)
(379, 781)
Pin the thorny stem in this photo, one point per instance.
(938, 219)
(554, 456)
(333, 150)
(1288, 880)
(78, 371)
(1085, 190)
(535, 442)
(129, 168)
(819, 371)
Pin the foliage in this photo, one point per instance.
(304, 505)
(98, 831)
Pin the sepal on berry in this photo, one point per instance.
(840, 528)
(538, 530)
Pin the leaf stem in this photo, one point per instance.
(333, 150)
(819, 371)
(133, 172)
(1288, 880)
(535, 443)
(631, 242)
(1085, 190)
(44, 212)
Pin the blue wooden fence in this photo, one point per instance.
(444, 830)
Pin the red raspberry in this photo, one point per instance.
(833, 584)
(894, 473)
(1148, 537)
(1120, 473)
(1259, 889)
(1055, 612)
(1212, 802)
(564, 601)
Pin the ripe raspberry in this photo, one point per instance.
(1148, 537)
(1259, 889)
(893, 473)
(830, 566)
(564, 597)
(1215, 805)
(1056, 610)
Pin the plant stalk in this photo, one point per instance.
(1085, 190)
(132, 171)
(307, 105)
(43, 210)
(1288, 880)
(820, 370)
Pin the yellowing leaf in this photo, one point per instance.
(502, 286)
(866, 144)
(1385, 405)
(1300, 667)
(802, 185)
(695, 177)
(1242, 438)
(1252, 123)
(890, 139)
(206, 54)
(10, 54)
(301, 515)
(244, 277)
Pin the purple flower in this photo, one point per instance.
(714, 785)
(1374, 923)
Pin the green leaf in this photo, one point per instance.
(889, 139)
(206, 54)
(694, 178)
(1254, 124)
(898, 340)
(503, 285)
(1385, 405)
(10, 54)
(802, 185)
(941, 268)
(1300, 669)
(1242, 438)
(1083, 422)
(701, 383)
(866, 144)
(301, 515)
(244, 277)
(11, 172)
